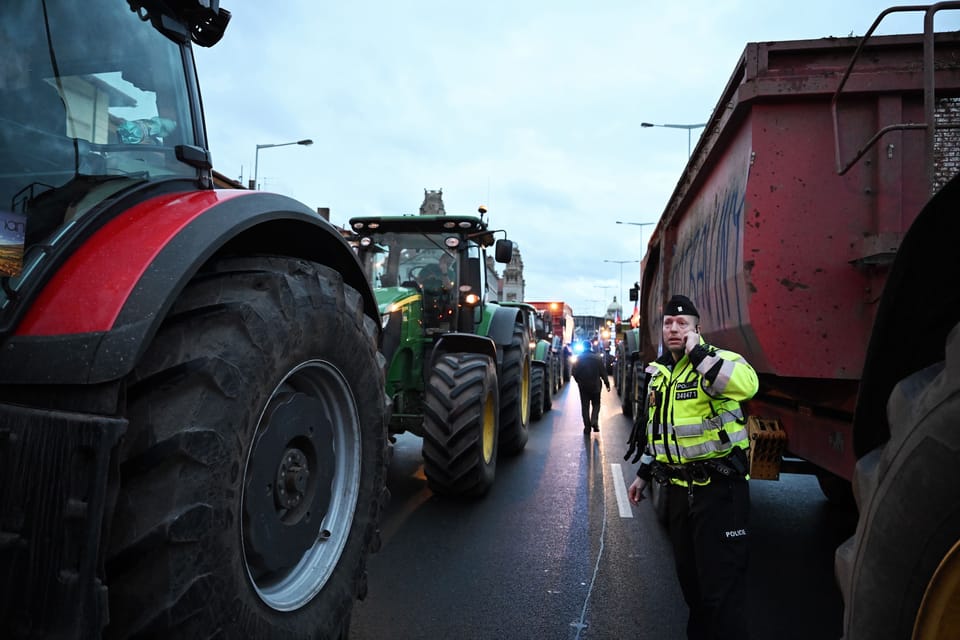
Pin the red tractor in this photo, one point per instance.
(192, 416)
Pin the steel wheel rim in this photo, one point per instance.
(303, 581)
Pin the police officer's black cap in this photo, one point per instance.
(680, 306)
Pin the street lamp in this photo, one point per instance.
(641, 225)
(621, 263)
(688, 127)
(256, 157)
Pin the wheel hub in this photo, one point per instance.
(288, 487)
(293, 477)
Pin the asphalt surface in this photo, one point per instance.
(551, 552)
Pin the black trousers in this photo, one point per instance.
(591, 414)
(710, 535)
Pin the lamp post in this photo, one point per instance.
(688, 127)
(256, 157)
(641, 225)
(621, 263)
(643, 250)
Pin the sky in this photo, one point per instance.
(531, 108)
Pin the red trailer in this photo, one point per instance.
(560, 316)
(828, 257)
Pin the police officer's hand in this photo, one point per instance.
(635, 492)
(690, 341)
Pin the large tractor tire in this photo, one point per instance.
(549, 385)
(252, 475)
(538, 390)
(557, 373)
(460, 425)
(515, 394)
(900, 572)
(835, 489)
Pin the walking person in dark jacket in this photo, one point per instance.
(590, 372)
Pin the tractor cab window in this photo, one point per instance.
(416, 261)
(81, 120)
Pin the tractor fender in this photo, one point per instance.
(541, 352)
(501, 325)
(463, 343)
(631, 341)
(99, 311)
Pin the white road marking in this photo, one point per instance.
(620, 488)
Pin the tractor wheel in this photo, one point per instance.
(549, 386)
(515, 394)
(900, 572)
(837, 490)
(252, 474)
(460, 425)
(538, 389)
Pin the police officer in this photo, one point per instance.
(695, 444)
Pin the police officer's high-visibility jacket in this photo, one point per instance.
(694, 405)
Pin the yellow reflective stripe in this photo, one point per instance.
(693, 430)
(701, 449)
(723, 379)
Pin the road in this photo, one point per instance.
(555, 551)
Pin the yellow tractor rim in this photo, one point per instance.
(939, 614)
(489, 428)
(525, 393)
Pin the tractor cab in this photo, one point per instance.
(438, 261)
(84, 121)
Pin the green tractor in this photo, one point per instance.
(459, 366)
(542, 372)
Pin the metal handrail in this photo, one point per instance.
(929, 112)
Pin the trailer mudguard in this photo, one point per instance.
(99, 311)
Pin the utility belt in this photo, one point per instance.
(731, 466)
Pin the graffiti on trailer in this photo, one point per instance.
(708, 264)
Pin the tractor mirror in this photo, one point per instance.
(504, 251)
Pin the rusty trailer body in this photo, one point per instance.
(785, 259)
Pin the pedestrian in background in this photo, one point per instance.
(695, 444)
(590, 372)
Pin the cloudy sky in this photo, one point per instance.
(530, 107)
